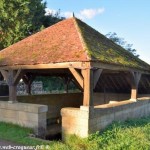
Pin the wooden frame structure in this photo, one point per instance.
(86, 74)
(81, 52)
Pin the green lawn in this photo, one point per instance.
(130, 135)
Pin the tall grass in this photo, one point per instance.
(128, 135)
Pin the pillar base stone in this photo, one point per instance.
(12, 102)
(133, 100)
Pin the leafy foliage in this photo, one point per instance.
(21, 18)
(52, 83)
(14, 24)
(120, 41)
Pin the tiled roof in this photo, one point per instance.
(70, 40)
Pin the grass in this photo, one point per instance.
(128, 135)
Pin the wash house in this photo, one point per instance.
(114, 84)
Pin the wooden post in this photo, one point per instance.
(12, 78)
(12, 86)
(88, 87)
(136, 76)
(28, 81)
(28, 88)
(12, 94)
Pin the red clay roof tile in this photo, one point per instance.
(70, 40)
(58, 43)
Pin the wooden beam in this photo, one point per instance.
(136, 76)
(12, 87)
(88, 87)
(97, 74)
(4, 74)
(28, 81)
(77, 76)
(78, 65)
(18, 76)
(12, 78)
(77, 84)
(117, 67)
(12, 94)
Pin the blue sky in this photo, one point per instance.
(130, 19)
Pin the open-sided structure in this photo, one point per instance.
(73, 49)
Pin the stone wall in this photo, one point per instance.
(101, 98)
(54, 101)
(84, 120)
(26, 115)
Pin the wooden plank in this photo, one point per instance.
(97, 74)
(77, 76)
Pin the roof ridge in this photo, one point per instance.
(84, 45)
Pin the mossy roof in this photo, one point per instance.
(70, 40)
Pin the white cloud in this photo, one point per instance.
(83, 14)
(67, 14)
(90, 13)
(50, 11)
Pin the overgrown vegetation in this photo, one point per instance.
(105, 50)
(128, 135)
(120, 41)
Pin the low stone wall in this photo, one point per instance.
(27, 115)
(101, 98)
(54, 101)
(84, 120)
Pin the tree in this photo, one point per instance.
(14, 24)
(21, 18)
(120, 41)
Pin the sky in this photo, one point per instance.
(130, 19)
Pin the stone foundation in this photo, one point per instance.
(26, 115)
(84, 120)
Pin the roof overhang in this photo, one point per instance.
(77, 65)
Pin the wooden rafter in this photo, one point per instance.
(12, 78)
(18, 76)
(77, 76)
(4, 74)
(97, 74)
